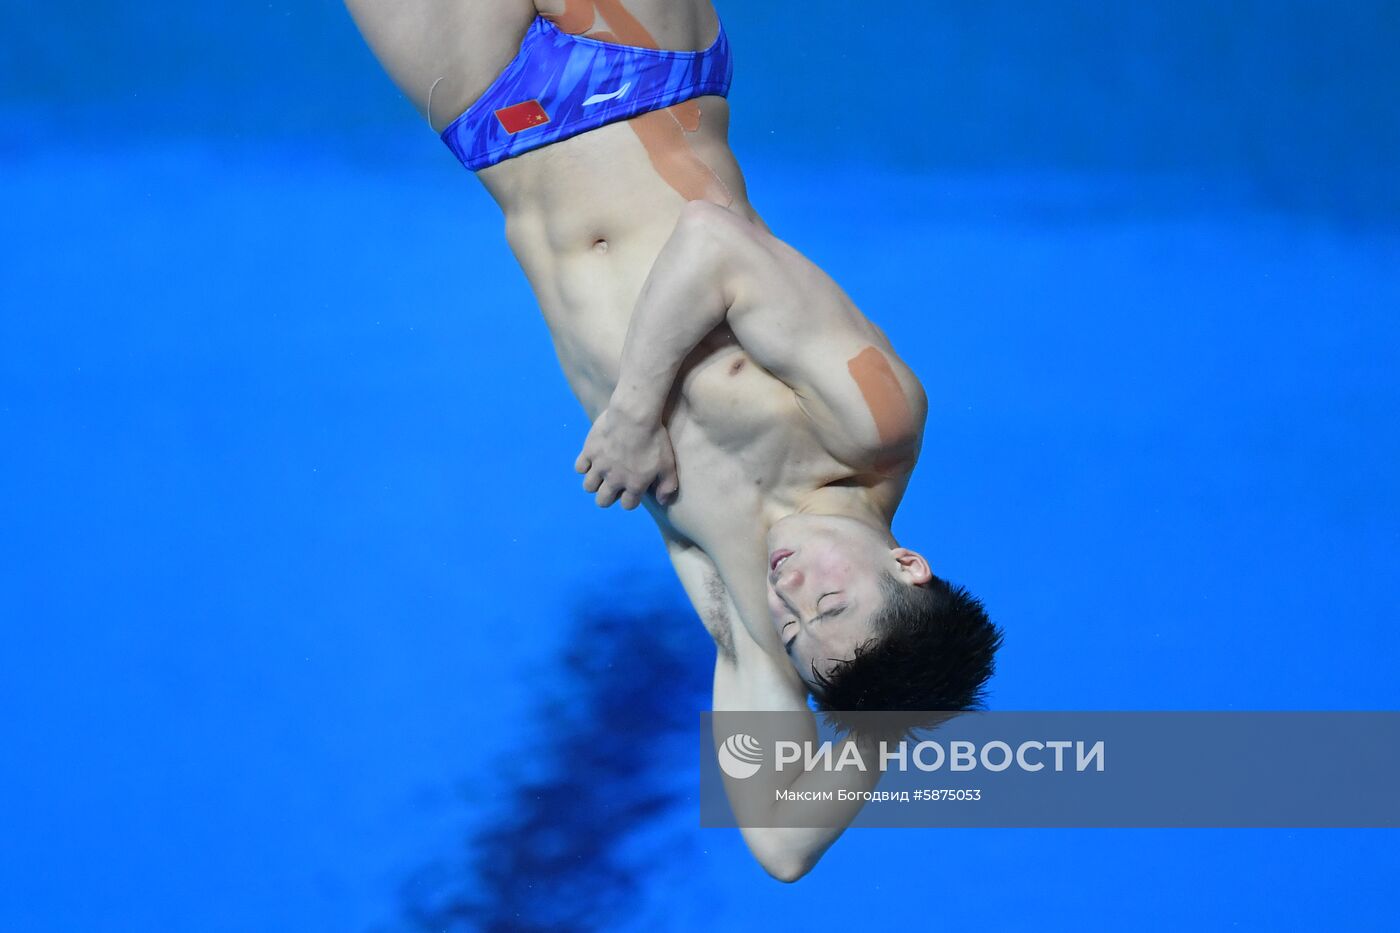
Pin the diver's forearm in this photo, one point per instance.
(682, 301)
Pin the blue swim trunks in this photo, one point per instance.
(560, 85)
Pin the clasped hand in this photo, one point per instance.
(624, 457)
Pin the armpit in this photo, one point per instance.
(716, 618)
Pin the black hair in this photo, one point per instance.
(934, 650)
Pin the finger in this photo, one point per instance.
(582, 464)
(667, 488)
(630, 500)
(593, 480)
(606, 496)
(669, 479)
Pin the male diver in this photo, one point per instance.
(767, 425)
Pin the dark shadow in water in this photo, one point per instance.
(606, 745)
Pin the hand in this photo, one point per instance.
(623, 457)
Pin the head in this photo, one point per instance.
(866, 623)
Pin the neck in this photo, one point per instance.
(854, 502)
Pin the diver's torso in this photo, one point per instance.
(586, 218)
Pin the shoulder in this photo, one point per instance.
(892, 395)
(867, 407)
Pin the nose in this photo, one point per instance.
(787, 581)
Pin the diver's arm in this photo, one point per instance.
(786, 852)
(757, 679)
(746, 679)
(865, 403)
(686, 296)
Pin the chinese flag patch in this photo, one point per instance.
(519, 117)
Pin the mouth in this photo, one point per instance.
(775, 560)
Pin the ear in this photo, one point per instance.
(912, 566)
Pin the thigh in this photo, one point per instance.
(667, 24)
(450, 50)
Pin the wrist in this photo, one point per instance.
(634, 407)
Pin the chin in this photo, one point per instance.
(789, 530)
(780, 525)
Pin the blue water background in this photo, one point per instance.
(306, 623)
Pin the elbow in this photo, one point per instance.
(787, 870)
(704, 214)
(782, 863)
(705, 222)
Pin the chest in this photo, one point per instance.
(743, 448)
